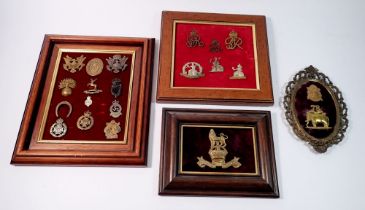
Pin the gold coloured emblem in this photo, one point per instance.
(94, 67)
(218, 153)
(216, 66)
(238, 73)
(317, 118)
(112, 129)
(233, 41)
(192, 70)
(73, 64)
(86, 121)
(314, 93)
(93, 88)
(194, 40)
(66, 85)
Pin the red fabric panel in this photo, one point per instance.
(203, 56)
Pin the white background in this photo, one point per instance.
(329, 34)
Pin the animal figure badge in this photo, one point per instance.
(194, 40)
(218, 153)
(73, 64)
(117, 63)
(238, 73)
(317, 118)
(93, 88)
(233, 41)
(216, 66)
(192, 70)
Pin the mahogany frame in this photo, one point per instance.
(134, 152)
(166, 93)
(263, 184)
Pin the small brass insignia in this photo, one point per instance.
(88, 101)
(59, 128)
(238, 73)
(116, 87)
(314, 93)
(194, 40)
(94, 67)
(117, 63)
(86, 121)
(115, 109)
(218, 153)
(215, 46)
(233, 41)
(192, 70)
(73, 64)
(112, 129)
(216, 66)
(66, 85)
(317, 118)
(93, 88)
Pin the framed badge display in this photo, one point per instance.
(315, 109)
(214, 58)
(89, 102)
(219, 153)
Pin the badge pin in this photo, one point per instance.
(86, 121)
(88, 101)
(93, 88)
(73, 64)
(112, 129)
(233, 41)
(116, 87)
(192, 70)
(66, 85)
(216, 66)
(94, 67)
(238, 73)
(194, 40)
(116, 63)
(215, 46)
(115, 109)
(59, 128)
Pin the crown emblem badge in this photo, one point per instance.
(218, 153)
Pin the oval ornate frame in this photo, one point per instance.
(302, 77)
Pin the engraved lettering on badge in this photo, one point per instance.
(93, 88)
(316, 118)
(66, 85)
(192, 70)
(314, 93)
(218, 153)
(117, 63)
(112, 129)
(194, 40)
(94, 67)
(85, 121)
(215, 46)
(73, 64)
(238, 73)
(59, 128)
(233, 41)
(216, 66)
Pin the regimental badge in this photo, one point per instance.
(66, 85)
(117, 63)
(112, 129)
(233, 41)
(94, 67)
(216, 66)
(194, 40)
(116, 87)
(115, 109)
(73, 64)
(192, 70)
(59, 128)
(238, 73)
(88, 101)
(314, 93)
(316, 118)
(218, 153)
(86, 121)
(215, 46)
(93, 88)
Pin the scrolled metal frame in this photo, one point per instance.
(312, 74)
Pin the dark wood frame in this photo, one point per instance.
(134, 152)
(172, 183)
(165, 93)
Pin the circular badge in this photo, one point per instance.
(58, 129)
(85, 122)
(94, 67)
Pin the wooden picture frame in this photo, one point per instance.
(315, 109)
(89, 102)
(217, 153)
(214, 58)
